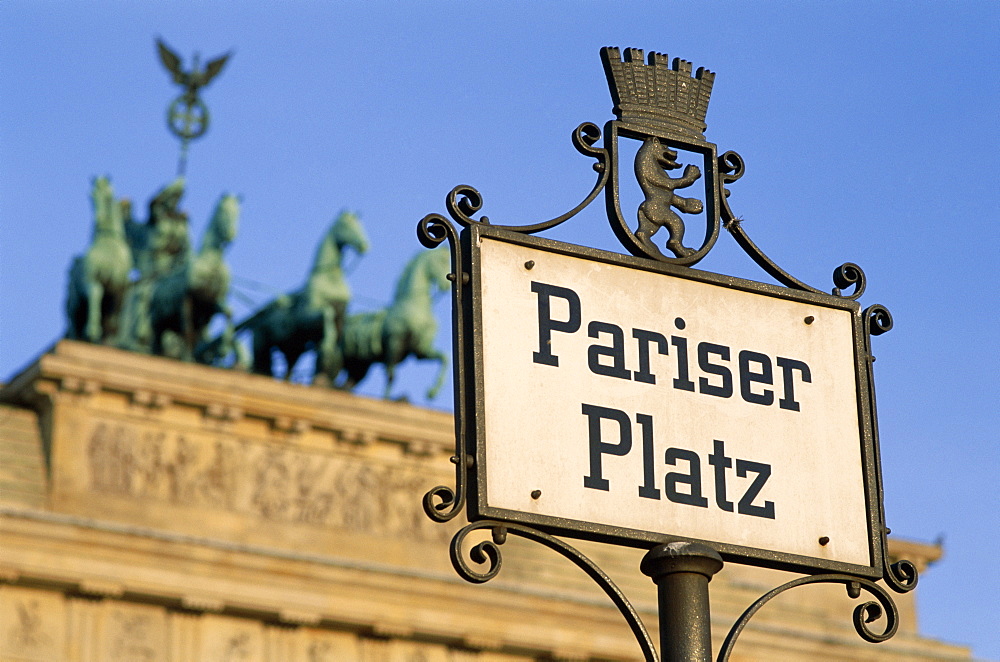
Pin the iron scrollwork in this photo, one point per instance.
(731, 168)
(443, 503)
(663, 106)
(865, 613)
(463, 201)
(488, 552)
(901, 576)
(664, 131)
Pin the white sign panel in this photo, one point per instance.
(636, 400)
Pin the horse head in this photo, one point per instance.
(438, 263)
(345, 231)
(224, 224)
(107, 214)
(348, 231)
(427, 271)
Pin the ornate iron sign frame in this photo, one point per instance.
(479, 507)
(662, 104)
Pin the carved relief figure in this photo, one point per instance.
(27, 634)
(313, 505)
(133, 639)
(359, 489)
(259, 480)
(178, 470)
(111, 468)
(272, 486)
(237, 648)
(651, 163)
(220, 479)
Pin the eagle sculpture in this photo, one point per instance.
(194, 79)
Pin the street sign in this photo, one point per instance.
(634, 400)
(630, 400)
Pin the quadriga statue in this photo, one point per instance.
(99, 279)
(138, 286)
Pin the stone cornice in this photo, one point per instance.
(920, 553)
(74, 367)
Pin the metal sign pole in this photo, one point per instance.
(681, 572)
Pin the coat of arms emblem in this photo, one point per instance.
(663, 105)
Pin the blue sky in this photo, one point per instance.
(869, 131)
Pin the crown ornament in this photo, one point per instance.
(656, 94)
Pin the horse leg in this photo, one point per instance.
(328, 355)
(95, 298)
(229, 345)
(291, 358)
(354, 372)
(425, 350)
(208, 351)
(441, 358)
(261, 353)
(76, 314)
(125, 314)
(390, 375)
(395, 345)
(143, 336)
(187, 328)
(111, 315)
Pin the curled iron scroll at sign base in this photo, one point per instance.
(441, 503)
(488, 553)
(864, 614)
(901, 576)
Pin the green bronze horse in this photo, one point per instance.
(406, 328)
(183, 303)
(313, 316)
(98, 280)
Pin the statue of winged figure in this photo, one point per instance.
(194, 79)
(187, 116)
